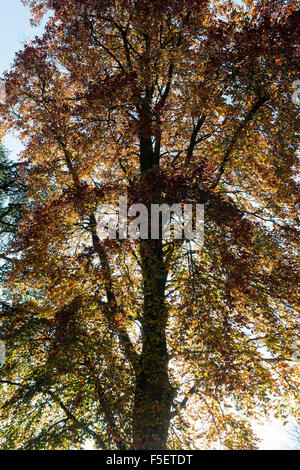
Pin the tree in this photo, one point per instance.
(12, 193)
(146, 344)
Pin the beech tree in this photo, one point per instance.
(150, 344)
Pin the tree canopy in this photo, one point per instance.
(148, 344)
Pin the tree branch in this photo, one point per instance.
(236, 136)
(130, 352)
(193, 140)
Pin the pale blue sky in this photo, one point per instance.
(15, 30)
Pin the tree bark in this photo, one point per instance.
(153, 393)
(153, 397)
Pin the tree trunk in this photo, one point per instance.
(153, 394)
(153, 397)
